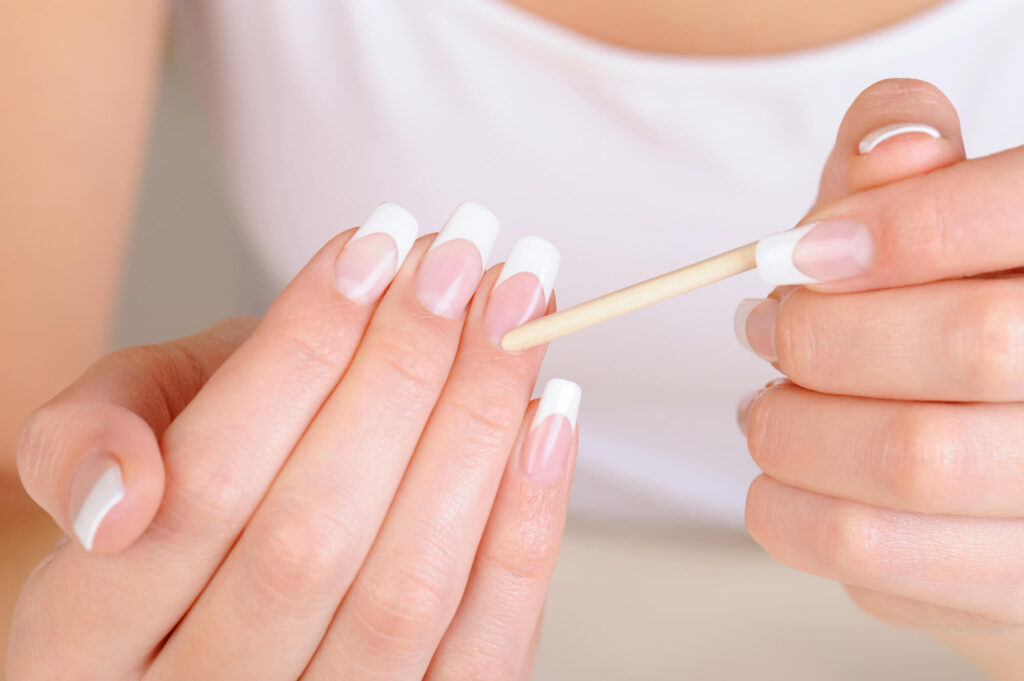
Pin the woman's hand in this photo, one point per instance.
(346, 489)
(892, 455)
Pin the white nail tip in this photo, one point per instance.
(106, 493)
(775, 258)
(396, 222)
(560, 397)
(873, 139)
(740, 321)
(535, 255)
(476, 224)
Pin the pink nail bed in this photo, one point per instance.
(513, 302)
(448, 277)
(365, 267)
(371, 258)
(834, 249)
(523, 288)
(452, 268)
(545, 451)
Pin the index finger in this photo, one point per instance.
(959, 221)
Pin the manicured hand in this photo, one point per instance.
(892, 455)
(355, 487)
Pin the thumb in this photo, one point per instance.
(894, 130)
(91, 456)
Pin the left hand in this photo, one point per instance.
(892, 456)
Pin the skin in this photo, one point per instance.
(889, 456)
(154, 399)
(303, 530)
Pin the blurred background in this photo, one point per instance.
(626, 602)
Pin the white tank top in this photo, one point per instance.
(631, 163)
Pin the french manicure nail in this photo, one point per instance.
(823, 251)
(100, 488)
(523, 288)
(876, 137)
(743, 410)
(755, 326)
(746, 404)
(451, 269)
(375, 253)
(546, 448)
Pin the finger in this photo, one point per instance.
(409, 587)
(895, 129)
(948, 341)
(493, 633)
(220, 456)
(90, 457)
(916, 456)
(529, 658)
(970, 564)
(304, 545)
(957, 221)
(910, 614)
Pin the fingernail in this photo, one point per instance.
(547, 444)
(98, 487)
(829, 250)
(746, 403)
(755, 326)
(876, 137)
(451, 269)
(524, 287)
(374, 254)
(743, 410)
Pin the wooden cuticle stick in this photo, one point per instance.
(631, 298)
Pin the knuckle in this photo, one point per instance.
(408, 367)
(801, 338)
(398, 608)
(853, 543)
(176, 373)
(523, 558)
(299, 552)
(203, 497)
(986, 343)
(312, 354)
(489, 415)
(923, 460)
(922, 228)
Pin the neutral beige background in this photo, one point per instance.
(625, 604)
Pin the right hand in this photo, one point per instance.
(320, 494)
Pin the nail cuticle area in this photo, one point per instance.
(374, 254)
(448, 277)
(835, 249)
(523, 289)
(755, 324)
(545, 450)
(513, 302)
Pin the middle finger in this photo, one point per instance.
(953, 341)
